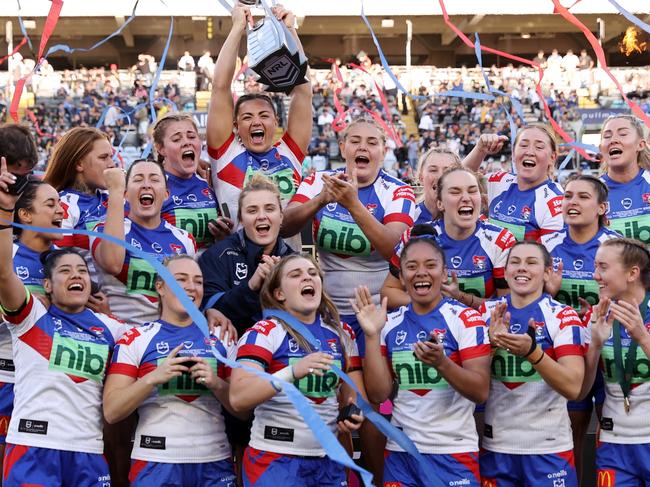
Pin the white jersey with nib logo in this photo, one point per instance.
(277, 426)
(132, 294)
(61, 361)
(181, 421)
(523, 414)
(433, 414)
(346, 254)
(616, 425)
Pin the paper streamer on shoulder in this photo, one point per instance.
(377, 419)
(322, 433)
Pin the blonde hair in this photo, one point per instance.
(160, 127)
(166, 261)
(422, 162)
(327, 310)
(547, 129)
(258, 182)
(643, 158)
(366, 120)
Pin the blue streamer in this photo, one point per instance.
(161, 65)
(511, 121)
(377, 419)
(322, 433)
(566, 160)
(632, 18)
(389, 71)
(70, 50)
(579, 145)
(22, 27)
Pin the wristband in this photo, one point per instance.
(533, 344)
(539, 359)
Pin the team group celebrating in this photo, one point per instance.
(496, 311)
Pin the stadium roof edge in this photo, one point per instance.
(187, 8)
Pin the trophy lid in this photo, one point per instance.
(251, 3)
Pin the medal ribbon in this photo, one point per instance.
(625, 371)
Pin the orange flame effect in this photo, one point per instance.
(630, 42)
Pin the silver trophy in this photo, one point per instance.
(273, 53)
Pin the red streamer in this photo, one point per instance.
(34, 120)
(538, 86)
(48, 28)
(388, 127)
(338, 124)
(600, 54)
(16, 49)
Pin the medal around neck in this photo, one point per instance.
(274, 55)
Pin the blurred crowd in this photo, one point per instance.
(120, 99)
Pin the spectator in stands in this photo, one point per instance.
(324, 118)
(412, 147)
(426, 121)
(186, 62)
(206, 67)
(585, 60)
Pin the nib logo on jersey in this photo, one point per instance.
(79, 359)
(640, 369)
(317, 388)
(572, 289)
(511, 370)
(184, 386)
(283, 177)
(140, 279)
(341, 237)
(637, 227)
(414, 375)
(195, 221)
(472, 285)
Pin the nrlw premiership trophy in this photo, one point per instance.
(273, 53)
